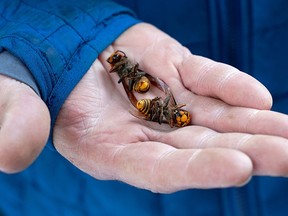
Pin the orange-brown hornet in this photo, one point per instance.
(163, 111)
(128, 72)
(158, 110)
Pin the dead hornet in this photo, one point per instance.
(163, 111)
(128, 72)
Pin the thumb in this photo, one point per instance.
(24, 125)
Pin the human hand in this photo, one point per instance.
(232, 137)
(95, 131)
(24, 125)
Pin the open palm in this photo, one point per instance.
(224, 146)
(232, 136)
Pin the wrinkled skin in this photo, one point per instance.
(232, 137)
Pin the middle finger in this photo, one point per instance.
(269, 154)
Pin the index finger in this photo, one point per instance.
(209, 78)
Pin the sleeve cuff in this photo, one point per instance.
(14, 68)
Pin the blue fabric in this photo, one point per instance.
(59, 40)
(251, 35)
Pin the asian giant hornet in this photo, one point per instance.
(157, 110)
(163, 111)
(128, 72)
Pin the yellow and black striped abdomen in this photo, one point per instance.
(144, 106)
(142, 85)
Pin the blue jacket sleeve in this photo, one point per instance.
(59, 40)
